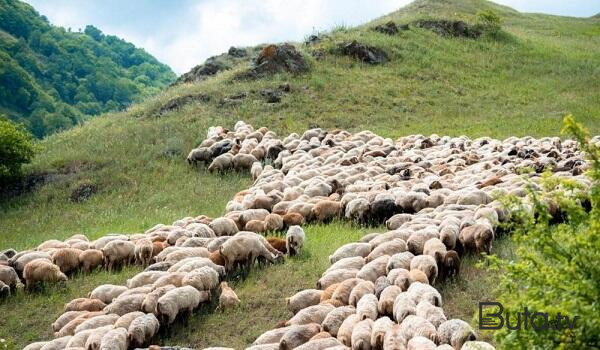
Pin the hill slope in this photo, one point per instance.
(520, 83)
(51, 78)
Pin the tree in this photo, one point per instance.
(16, 149)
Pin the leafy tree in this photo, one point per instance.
(556, 268)
(16, 149)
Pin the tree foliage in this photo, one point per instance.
(52, 78)
(16, 149)
(556, 268)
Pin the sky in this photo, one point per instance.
(183, 33)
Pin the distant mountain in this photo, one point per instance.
(52, 78)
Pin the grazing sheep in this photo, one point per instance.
(97, 322)
(178, 300)
(203, 279)
(172, 278)
(477, 238)
(78, 340)
(184, 253)
(372, 270)
(144, 278)
(433, 314)
(159, 266)
(360, 289)
(293, 219)
(69, 328)
(144, 249)
(342, 292)
(118, 252)
(65, 318)
(450, 265)
(297, 335)
(335, 276)
(420, 343)
(52, 243)
(125, 320)
(223, 226)
(413, 326)
(335, 317)
(400, 278)
(67, 259)
(417, 276)
(380, 327)
(35, 346)
(400, 260)
(328, 292)
(404, 305)
(107, 292)
(295, 238)
(115, 339)
(273, 222)
(271, 336)
(477, 345)
(126, 304)
(23, 260)
(303, 299)
(380, 284)
(255, 170)
(319, 343)
(94, 340)
(456, 333)
(151, 299)
(344, 333)
(255, 226)
(350, 250)
(361, 335)
(393, 339)
(278, 243)
(311, 314)
(367, 307)
(9, 277)
(91, 259)
(427, 265)
(385, 306)
(228, 298)
(355, 262)
(42, 270)
(397, 220)
(421, 291)
(189, 264)
(142, 329)
(244, 249)
(388, 248)
(326, 210)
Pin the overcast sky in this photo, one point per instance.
(183, 33)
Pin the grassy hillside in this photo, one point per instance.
(521, 82)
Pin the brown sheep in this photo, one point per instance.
(257, 226)
(291, 219)
(157, 247)
(144, 250)
(328, 292)
(450, 265)
(278, 243)
(228, 298)
(67, 259)
(84, 304)
(477, 238)
(42, 270)
(91, 259)
(217, 258)
(273, 222)
(326, 210)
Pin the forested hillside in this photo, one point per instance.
(51, 78)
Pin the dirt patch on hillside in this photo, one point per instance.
(179, 102)
(276, 59)
(362, 52)
(448, 27)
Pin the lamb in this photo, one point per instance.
(177, 300)
(125, 320)
(107, 292)
(91, 259)
(350, 250)
(142, 329)
(404, 305)
(421, 343)
(360, 289)
(295, 238)
(335, 317)
(42, 270)
(67, 259)
(427, 265)
(388, 296)
(456, 333)
(97, 322)
(223, 226)
(255, 226)
(246, 249)
(393, 339)
(342, 292)
(413, 326)
(380, 327)
(388, 248)
(292, 219)
(144, 249)
(115, 339)
(311, 314)
(433, 314)
(9, 277)
(297, 335)
(303, 299)
(367, 307)
(228, 298)
(361, 335)
(477, 237)
(344, 333)
(118, 252)
(335, 276)
(125, 304)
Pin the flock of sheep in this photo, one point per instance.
(434, 194)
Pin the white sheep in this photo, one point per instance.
(178, 300)
(142, 329)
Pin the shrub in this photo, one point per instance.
(556, 267)
(16, 149)
(488, 22)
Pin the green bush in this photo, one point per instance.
(16, 149)
(557, 267)
(489, 22)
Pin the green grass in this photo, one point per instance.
(521, 84)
